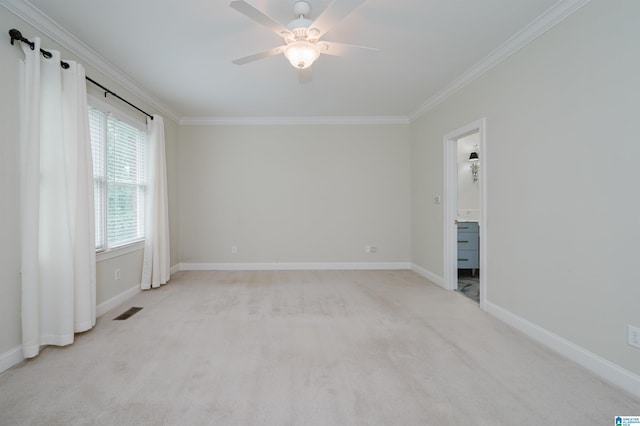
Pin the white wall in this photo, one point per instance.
(562, 239)
(294, 193)
(129, 264)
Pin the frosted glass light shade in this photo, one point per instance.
(301, 54)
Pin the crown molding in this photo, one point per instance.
(290, 121)
(41, 22)
(549, 19)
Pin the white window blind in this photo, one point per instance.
(119, 180)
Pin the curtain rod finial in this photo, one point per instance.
(15, 35)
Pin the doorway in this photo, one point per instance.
(465, 209)
(468, 215)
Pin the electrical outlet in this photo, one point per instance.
(367, 249)
(234, 249)
(374, 249)
(116, 274)
(633, 337)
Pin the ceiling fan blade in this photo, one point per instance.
(305, 76)
(246, 9)
(341, 49)
(337, 10)
(257, 56)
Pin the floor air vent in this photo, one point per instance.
(127, 314)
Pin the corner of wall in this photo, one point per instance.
(434, 278)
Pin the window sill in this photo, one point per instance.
(119, 251)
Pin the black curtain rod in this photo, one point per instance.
(17, 35)
(107, 91)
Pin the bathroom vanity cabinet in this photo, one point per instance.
(468, 245)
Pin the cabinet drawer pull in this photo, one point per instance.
(463, 241)
(463, 260)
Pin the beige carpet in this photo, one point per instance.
(305, 348)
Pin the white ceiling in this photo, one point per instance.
(181, 52)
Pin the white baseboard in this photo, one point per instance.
(10, 358)
(106, 306)
(293, 266)
(436, 279)
(175, 268)
(601, 367)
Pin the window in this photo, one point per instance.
(118, 150)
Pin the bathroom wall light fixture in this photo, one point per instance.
(474, 160)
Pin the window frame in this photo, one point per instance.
(107, 251)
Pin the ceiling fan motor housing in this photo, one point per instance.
(300, 25)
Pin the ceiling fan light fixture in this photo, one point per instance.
(301, 54)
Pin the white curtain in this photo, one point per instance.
(57, 222)
(156, 268)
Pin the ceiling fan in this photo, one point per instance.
(302, 35)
